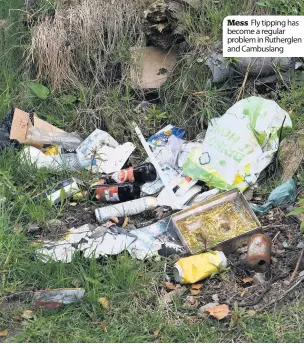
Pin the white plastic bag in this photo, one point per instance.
(238, 145)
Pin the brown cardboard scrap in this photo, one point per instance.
(21, 124)
(151, 66)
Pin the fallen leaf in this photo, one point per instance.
(4, 333)
(170, 286)
(251, 312)
(194, 291)
(103, 325)
(104, 302)
(219, 312)
(196, 286)
(247, 280)
(27, 314)
(156, 332)
(244, 292)
(73, 204)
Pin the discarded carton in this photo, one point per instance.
(151, 66)
(216, 222)
(22, 122)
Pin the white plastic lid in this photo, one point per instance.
(223, 258)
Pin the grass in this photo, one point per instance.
(132, 287)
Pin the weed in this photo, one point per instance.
(283, 7)
(299, 211)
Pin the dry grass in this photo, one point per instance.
(87, 40)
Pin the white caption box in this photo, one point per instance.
(263, 36)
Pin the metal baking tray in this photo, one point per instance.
(222, 222)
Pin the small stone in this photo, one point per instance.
(285, 244)
(300, 244)
(215, 298)
(259, 278)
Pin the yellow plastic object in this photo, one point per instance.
(53, 150)
(195, 268)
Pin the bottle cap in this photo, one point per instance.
(223, 258)
(177, 273)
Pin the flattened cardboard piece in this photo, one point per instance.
(21, 124)
(151, 66)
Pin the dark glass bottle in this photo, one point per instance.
(115, 192)
(139, 174)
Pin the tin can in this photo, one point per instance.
(195, 268)
(259, 252)
(134, 207)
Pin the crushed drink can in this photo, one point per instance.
(195, 268)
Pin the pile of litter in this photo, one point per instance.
(205, 222)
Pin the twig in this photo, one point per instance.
(297, 266)
(273, 226)
(243, 84)
(286, 292)
(274, 238)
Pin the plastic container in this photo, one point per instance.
(195, 268)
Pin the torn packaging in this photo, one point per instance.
(102, 153)
(102, 241)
